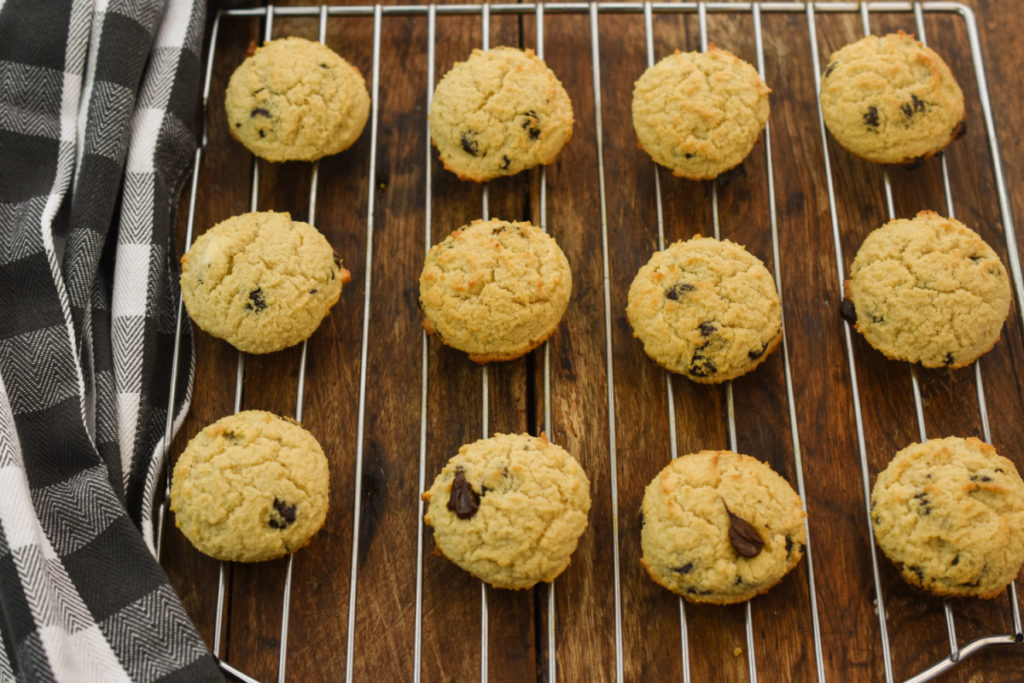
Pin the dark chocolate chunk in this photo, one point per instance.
(848, 311)
(463, 501)
(469, 143)
(743, 536)
(871, 117)
(707, 329)
(285, 515)
(685, 569)
(256, 301)
(260, 112)
(534, 133)
(948, 360)
(830, 69)
(960, 129)
(505, 161)
(676, 291)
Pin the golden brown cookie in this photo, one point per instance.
(720, 527)
(705, 308)
(296, 100)
(495, 289)
(891, 100)
(700, 113)
(950, 514)
(261, 281)
(250, 487)
(928, 290)
(509, 509)
(500, 112)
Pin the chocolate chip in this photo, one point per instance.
(505, 161)
(960, 129)
(948, 360)
(907, 110)
(265, 113)
(238, 125)
(700, 366)
(738, 581)
(531, 116)
(313, 291)
(913, 162)
(323, 66)
(983, 478)
(830, 69)
(256, 301)
(698, 591)
(685, 569)
(871, 117)
(789, 545)
(972, 584)
(877, 319)
(848, 311)
(469, 143)
(285, 515)
(231, 436)
(676, 291)
(955, 562)
(534, 133)
(976, 258)
(924, 505)
(743, 536)
(530, 124)
(918, 104)
(707, 329)
(463, 501)
(757, 353)
(688, 155)
(263, 133)
(918, 572)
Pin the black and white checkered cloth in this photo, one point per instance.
(97, 99)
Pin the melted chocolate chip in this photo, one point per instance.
(960, 129)
(743, 536)
(285, 515)
(676, 291)
(469, 144)
(871, 117)
(830, 69)
(685, 569)
(707, 329)
(265, 113)
(463, 501)
(256, 301)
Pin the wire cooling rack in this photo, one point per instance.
(546, 25)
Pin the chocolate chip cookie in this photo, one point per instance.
(720, 527)
(500, 112)
(700, 113)
(891, 100)
(261, 281)
(509, 509)
(705, 308)
(950, 514)
(296, 100)
(928, 290)
(250, 487)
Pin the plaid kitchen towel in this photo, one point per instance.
(97, 99)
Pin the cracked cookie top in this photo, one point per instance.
(928, 290)
(699, 113)
(296, 100)
(891, 100)
(500, 112)
(509, 509)
(950, 514)
(261, 281)
(720, 527)
(495, 289)
(705, 308)
(250, 487)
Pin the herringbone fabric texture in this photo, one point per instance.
(97, 99)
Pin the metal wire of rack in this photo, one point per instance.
(593, 11)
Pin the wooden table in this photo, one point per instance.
(390, 409)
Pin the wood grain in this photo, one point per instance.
(609, 404)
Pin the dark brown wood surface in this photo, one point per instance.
(388, 422)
